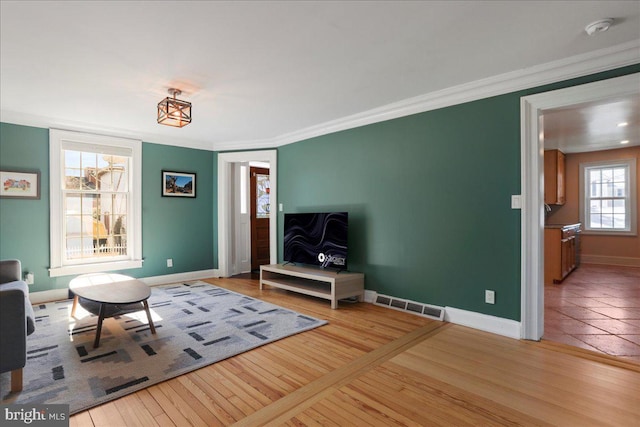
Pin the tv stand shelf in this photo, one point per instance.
(319, 283)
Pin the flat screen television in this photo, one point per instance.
(318, 239)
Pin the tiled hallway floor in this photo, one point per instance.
(597, 308)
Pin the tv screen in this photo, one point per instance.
(318, 239)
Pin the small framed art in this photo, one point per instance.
(178, 184)
(20, 184)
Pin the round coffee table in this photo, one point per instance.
(108, 295)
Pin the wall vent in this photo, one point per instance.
(426, 310)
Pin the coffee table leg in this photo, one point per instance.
(75, 305)
(146, 308)
(103, 309)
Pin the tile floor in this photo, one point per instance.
(596, 307)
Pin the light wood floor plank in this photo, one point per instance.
(375, 366)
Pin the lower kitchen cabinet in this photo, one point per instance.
(561, 252)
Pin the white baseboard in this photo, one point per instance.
(610, 260)
(48, 296)
(180, 277)
(484, 322)
(62, 294)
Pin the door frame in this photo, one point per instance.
(532, 186)
(225, 203)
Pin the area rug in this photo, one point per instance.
(197, 324)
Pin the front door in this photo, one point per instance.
(260, 211)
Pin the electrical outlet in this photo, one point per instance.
(28, 278)
(489, 296)
(169, 262)
(516, 201)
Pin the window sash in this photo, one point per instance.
(61, 263)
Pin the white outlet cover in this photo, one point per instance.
(489, 297)
(516, 201)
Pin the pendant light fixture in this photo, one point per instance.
(174, 112)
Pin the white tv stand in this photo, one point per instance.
(316, 282)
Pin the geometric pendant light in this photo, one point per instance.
(174, 112)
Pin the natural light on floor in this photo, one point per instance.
(81, 313)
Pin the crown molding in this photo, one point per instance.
(576, 66)
(34, 120)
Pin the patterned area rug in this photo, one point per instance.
(197, 324)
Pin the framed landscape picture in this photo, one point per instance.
(178, 184)
(20, 184)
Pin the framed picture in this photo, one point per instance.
(20, 184)
(178, 184)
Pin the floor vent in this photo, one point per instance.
(426, 310)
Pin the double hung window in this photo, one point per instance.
(608, 196)
(95, 203)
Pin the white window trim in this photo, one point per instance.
(56, 140)
(631, 188)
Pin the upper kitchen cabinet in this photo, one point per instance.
(554, 177)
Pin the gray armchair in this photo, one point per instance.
(16, 321)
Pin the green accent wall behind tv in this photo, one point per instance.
(429, 199)
(181, 229)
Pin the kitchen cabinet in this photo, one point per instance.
(561, 251)
(554, 177)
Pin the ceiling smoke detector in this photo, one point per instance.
(598, 26)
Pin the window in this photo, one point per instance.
(95, 203)
(608, 196)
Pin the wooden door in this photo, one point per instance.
(260, 211)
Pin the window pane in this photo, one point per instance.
(619, 189)
(606, 221)
(619, 206)
(619, 175)
(595, 221)
(606, 206)
(619, 221)
(607, 175)
(262, 195)
(607, 189)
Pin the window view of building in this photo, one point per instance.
(95, 193)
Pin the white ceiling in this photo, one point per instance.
(262, 72)
(593, 126)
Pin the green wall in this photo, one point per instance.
(429, 199)
(181, 229)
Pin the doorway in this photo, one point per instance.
(532, 173)
(226, 205)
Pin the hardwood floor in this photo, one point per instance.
(375, 366)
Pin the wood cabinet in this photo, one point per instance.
(561, 252)
(327, 284)
(554, 177)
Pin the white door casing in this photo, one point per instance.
(532, 191)
(225, 204)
